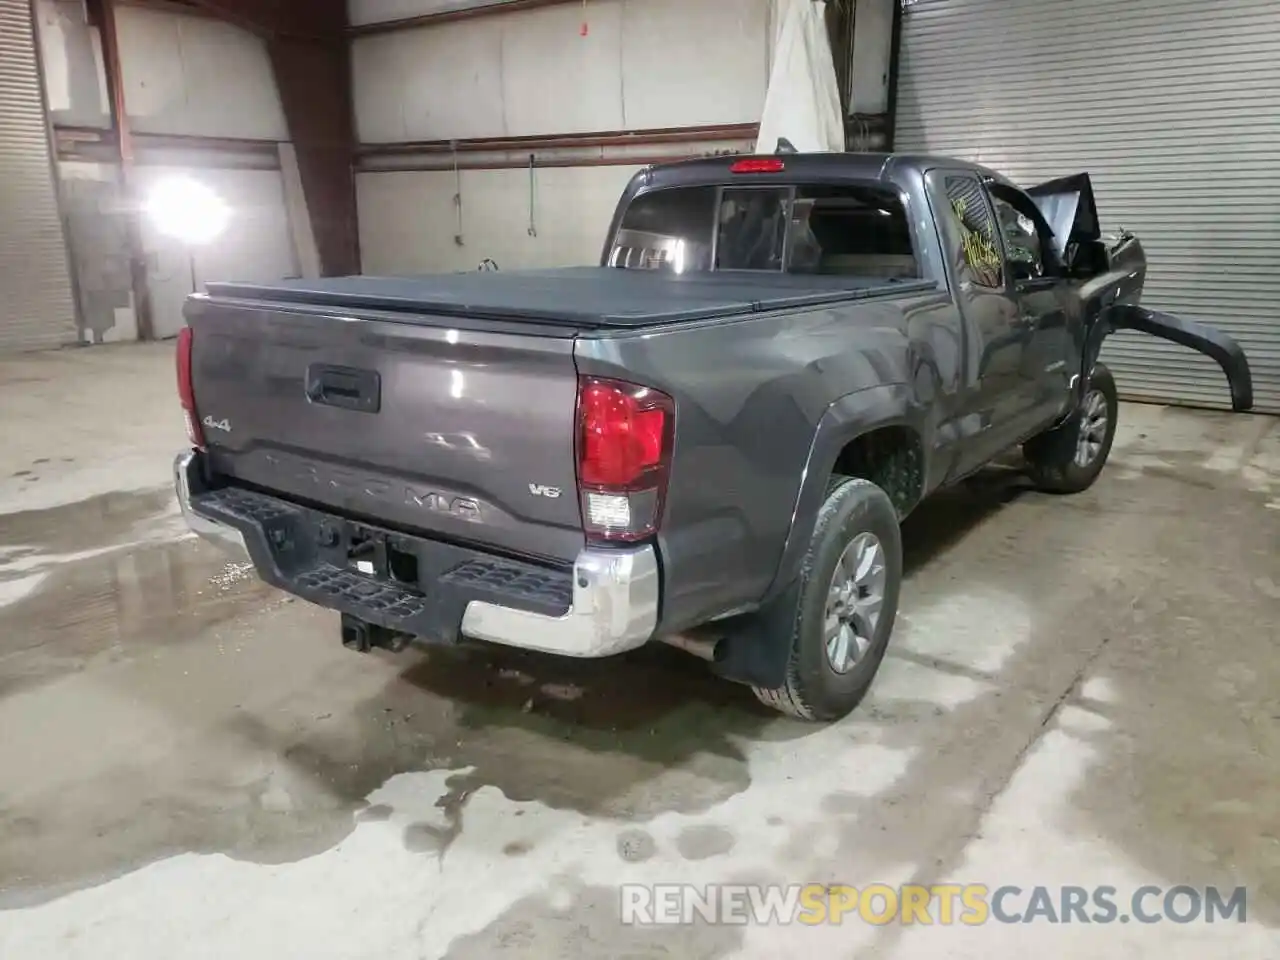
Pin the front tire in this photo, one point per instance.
(848, 601)
(1069, 458)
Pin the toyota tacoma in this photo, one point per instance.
(709, 438)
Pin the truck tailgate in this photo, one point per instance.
(468, 435)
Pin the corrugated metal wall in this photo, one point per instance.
(37, 306)
(1171, 105)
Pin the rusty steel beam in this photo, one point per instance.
(307, 43)
(448, 16)
(267, 18)
(100, 146)
(314, 80)
(71, 134)
(169, 6)
(599, 138)
(542, 164)
(102, 14)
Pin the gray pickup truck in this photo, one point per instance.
(709, 439)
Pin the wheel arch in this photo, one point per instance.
(860, 434)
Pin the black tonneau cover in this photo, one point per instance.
(579, 296)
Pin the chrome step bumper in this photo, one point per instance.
(611, 596)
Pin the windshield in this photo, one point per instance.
(850, 230)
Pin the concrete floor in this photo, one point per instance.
(1081, 691)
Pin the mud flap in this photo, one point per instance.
(1198, 336)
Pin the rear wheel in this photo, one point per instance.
(848, 602)
(1069, 458)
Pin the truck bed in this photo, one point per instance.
(585, 297)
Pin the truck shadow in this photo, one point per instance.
(631, 693)
(627, 738)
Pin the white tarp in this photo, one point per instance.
(803, 99)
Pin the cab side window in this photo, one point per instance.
(973, 222)
(1022, 241)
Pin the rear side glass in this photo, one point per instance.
(976, 229)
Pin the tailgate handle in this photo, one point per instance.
(344, 387)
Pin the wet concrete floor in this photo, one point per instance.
(1081, 691)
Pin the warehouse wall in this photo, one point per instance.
(642, 65)
(187, 79)
(196, 76)
(408, 221)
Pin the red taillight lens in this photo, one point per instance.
(758, 165)
(186, 393)
(625, 436)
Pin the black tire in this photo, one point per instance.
(814, 690)
(1055, 459)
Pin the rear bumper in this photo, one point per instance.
(607, 603)
(186, 471)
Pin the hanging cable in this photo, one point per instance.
(533, 221)
(457, 194)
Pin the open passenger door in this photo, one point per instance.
(1111, 278)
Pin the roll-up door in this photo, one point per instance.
(37, 306)
(1171, 106)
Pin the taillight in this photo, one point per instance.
(186, 393)
(625, 436)
(757, 165)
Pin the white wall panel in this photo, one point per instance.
(692, 62)
(187, 75)
(74, 80)
(196, 76)
(257, 244)
(643, 64)
(408, 220)
(412, 85)
(582, 90)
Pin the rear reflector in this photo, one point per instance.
(625, 436)
(758, 165)
(186, 392)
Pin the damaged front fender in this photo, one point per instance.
(1111, 281)
(1198, 336)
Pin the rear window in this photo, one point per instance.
(845, 230)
